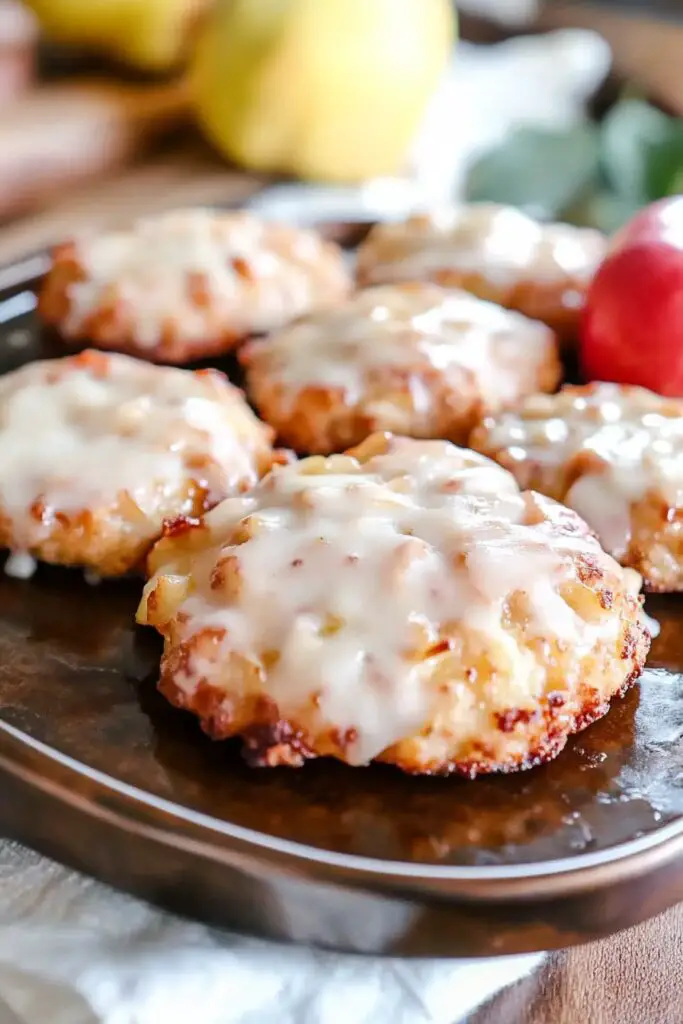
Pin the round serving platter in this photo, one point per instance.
(98, 771)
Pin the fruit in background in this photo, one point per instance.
(151, 35)
(595, 175)
(632, 329)
(325, 89)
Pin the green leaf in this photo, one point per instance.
(604, 210)
(541, 171)
(630, 132)
(664, 166)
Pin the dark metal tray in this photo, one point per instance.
(99, 772)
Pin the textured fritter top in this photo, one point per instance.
(75, 433)
(500, 243)
(407, 327)
(600, 448)
(336, 589)
(189, 282)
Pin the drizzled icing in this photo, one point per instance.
(76, 432)
(614, 444)
(350, 575)
(409, 328)
(251, 275)
(499, 242)
(20, 566)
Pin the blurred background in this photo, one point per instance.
(353, 109)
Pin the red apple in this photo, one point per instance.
(658, 220)
(632, 329)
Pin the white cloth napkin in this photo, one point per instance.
(73, 951)
(486, 93)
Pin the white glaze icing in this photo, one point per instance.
(350, 575)
(652, 625)
(635, 436)
(149, 269)
(501, 243)
(20, 565)
(409, 328)
(74, 437)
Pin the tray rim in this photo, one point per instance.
(488, 883)
(107, 801)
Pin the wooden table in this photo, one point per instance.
(187, 177)
(633, 978)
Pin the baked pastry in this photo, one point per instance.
(614, 454)
(495, 252)
(403, 602)
(414, 358)
(97, 450)
(188, 284)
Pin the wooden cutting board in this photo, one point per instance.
(18, 39)
(62, 135)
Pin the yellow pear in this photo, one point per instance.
(326, 89)
(151, 35)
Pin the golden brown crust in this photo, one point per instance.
(50, 510)
(484, 718)
(654, 545)
(110, 325)
(544, 286)
(321, 421)
(515, 739)
(110, 540)
(434, 382)
(231, 279)
(555, 303)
